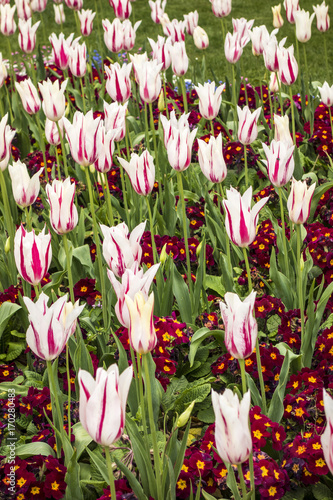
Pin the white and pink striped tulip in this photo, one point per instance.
(141, 333)
(299, 201)
(141, 171)
(33, 254)
(210, 98)
(25, 189)
(29, 96)
(211, 159)
(280, 162)
(247, 126)
(82, 137)
(122, 8)
(63, 212)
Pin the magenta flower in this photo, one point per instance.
(299, 201)
(25, 190)
(247, 126)
(63, 216)
(280, 162)
(288, 67)
(29, 96)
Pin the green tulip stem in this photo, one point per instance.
(11, 71)
(69, 394)
(271, 134)
(9, 226)
(83, 93)
(292, 113)
(28, 220)
(299, 282)
(63, 151)
(146, 128)
(33, 70)
(69, 268)
(110, 472)
(234, 99)
(98, 248)
(241, 479)
(251, 467)
(280, 93)
(284, 238)
(142, 401)
(152, 234)
(326, 58)
(45, 37)
(42, 146)
(241, 62)
(248, 270)
(306, 70)
(246, 169)
(107, 195)
(56, 399)
(36, 291)
(188, 261)
(123, 187)
(330, 113)
(223, 30)
(182, 81)
(58, 163)
(153, 131)
(165, 95)
(243, 375)
(127, 142)
(152, 428)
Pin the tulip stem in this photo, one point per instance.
(248, 270)
(152, 428)
(110, 472)
(28, 218)
(246, 169)
(280, 93)
(142, 401)
(152, 126)
(223, 30)
(121, 171)
(165, 95)
(69, 423)
(243, 375)
(152, 235)
(108, 199)
(83, 99)
(233, 85)
(146, 128)
(58, 164)
(292, 113)
(42, 146)
(9, 227)
(241, 479)
(326, 58)
(64, 159)
(188, 261)
(299, 287)
(69, 268)
(55, 396)
(182, 81)
(251, 467)
(284, 238)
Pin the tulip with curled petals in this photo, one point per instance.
(38, 5)
(211, 159)
(233, 47)
(102, 410)
(323, 19)
(241, 220)
(270, 53)
(137, 61)
(247, 127)
(25, 190)
(291, 6)
(82, 137)
(142, 334)
(174, 29)
(191, 21)
(240, 326)
(63, 216)
(27, 35)
(78, 60)
(23, 9)
(115, 119)
(33, 254)
(113, 35)
(221, 8)
(29, 96)
(7, 23)
(326, 94)
(326, 438)
(129, 33)
(280, 162)
(141, 171)
(299, 201)
(259, 38)
(200, 38)
(179, 58)
(150, 83)
(54, 101)
(59, 14)
(303, 22)
(179, 148)
(281, 130)
(60, 49)
(288, 67)
(105, 149)
(232, 434)
(210, 98)
(121, 249)
(157, 10)
(122, 8)
(118, 82)
(52, 131)
(173, 123)
(161, 51)
(277, 18)
(50, 327)
(242, 27)
(86, 18)
(74, 4)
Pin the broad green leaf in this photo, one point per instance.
(7, 309)
(181, 292)
(82, 438)
(36, 448)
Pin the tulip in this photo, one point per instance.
(210, 98)
(63, 216)
(86, 18)
(141, 332)
(179, 59)
(82, 137)
(7, 23)
(3, 71)
(247, 129)
(74, 4)
(50, 327)
(78, 60)
(323, 19)
(60, 49)
(105, 149)
(161, 51)
(288, 67)
(103, 403)
(23, 9)
(191, 21)
(59, 14)
(326, 94)
(179, 148)
(141, 171)
(326, 438)
(299, 201)
(200, 38)
(303, 22)
(150, 82)
(33, 254)
(280, 162)
(6, 137)
(277, 18)
(38, 5)
(291, 7)
(118, 83)
(174, 29)
(274, 83)
(132, 281)
(120, 248)
(242, 27)
(233, 47)
(157, 10)
(241, 220)
(27, 36)
(129, 34)
(211, 159)
(115, 119)
(270, 53)
(52, 133)
(221, 8)
(29, 96)
(259, 37)
(240, 326)
(113, 35)
(25, 190)
(281, 130)
(122, 8)
(173, 123)
(232, 433)
(53, 99)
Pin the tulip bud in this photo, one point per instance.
(326, 94)
(198, 250)
(210, 99)
(82, 136)
(200, 38)
(281, 130)
(157, 10)
(303, 22)
(7, 245)
(183, 419)
(323, 19)
(277, 18)
(141, 333)
(54, 102)
(288, 67)
(64, 216)
(161, 102)
(221, 8)
(291, 7)
(163, 255)
(211, 159)
(122, 8)
(191, 21)
(299, 201)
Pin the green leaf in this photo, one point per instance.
(7, 309)
(100, 463)
(182, 295)
(207, 496)
(273, 323)
(82, 438)
(133, 482)
(207, 416)
(214, 283)
(72, 479)
(282, 285)
(37, 448)
(199, 336)
(321, 492)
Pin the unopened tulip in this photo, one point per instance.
(86, 21)
(7, 23)
(288, 67)
(221, 8)
(54, 102)
(38, 5)
(121, 249)
(240, 326)
(132, 281)
(129, 33)
(50, 327)
(161, 51)
(60, 49)
(326, 94)
(6, 137)
(232, 434)
(141, 171)
(115, 119)
(280, 162)
(103, 403)
(241, 220)
(281, 130)
(63, 212)
(274, 83)
(291, 7)
(211, 159)
(29, 96)
(150, 82)
(174, 29)
(23, 9)
(78, 60)
(157, 10)
(27, 35)
(33, 254)
(247, 127)
(210, 98)
(259, 38)
(105, 149)
(299, 201)
(200, 38)
(277, 17)
(3, 71)
(113, 35)
(179, 148)
(118, 83)
(179, 59)
(173, 123)
(82, 137)
(52, 132)
(25, 190)
(323, 19)
(326, 438)
(142, 334)
(191, 21)
(122, 8)
(233, 48)
(59, 14)
(303, 22)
